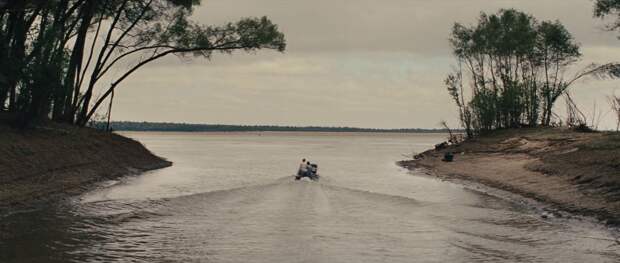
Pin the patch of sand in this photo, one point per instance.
(49, 163)
(562, 172)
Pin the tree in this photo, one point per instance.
(454, 83)
(614, 102)
(516, 68)
(606, 8)
(55, 53)
(556, 50)
(496, 54)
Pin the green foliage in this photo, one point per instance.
(606, 8)
(454, 83)
(515, 65)
(53, 54)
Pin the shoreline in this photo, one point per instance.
(54, 163)
(564, 170)
(539, 208)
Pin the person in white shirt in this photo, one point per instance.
(303, 168)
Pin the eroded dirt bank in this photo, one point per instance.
(52, 162)
(576, 172)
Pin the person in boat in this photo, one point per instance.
(308, 169)
(312, 170)
(303, 168)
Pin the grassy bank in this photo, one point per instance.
(55, 161)
(576, 172)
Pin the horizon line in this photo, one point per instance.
(277, 126)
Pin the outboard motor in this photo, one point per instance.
(312, 173)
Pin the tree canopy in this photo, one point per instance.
(516, 66)
(54, 54)
(606, 8)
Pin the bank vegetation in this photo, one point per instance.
(57, 56)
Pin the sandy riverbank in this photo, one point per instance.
(575, 172)
(54, 162)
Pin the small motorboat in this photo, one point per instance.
(312, 173)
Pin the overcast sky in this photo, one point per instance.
(364, 63)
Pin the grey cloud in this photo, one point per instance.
(369, 63)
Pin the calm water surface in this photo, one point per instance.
(231, 198)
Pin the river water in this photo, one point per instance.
(231, 198)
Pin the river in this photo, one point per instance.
(230, 197)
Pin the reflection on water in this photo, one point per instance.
(231, 198)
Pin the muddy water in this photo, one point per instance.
(231, 198)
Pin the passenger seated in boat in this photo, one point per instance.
(307, 169)
(303, 168)
(312, 169)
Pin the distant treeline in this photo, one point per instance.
(186, 127)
